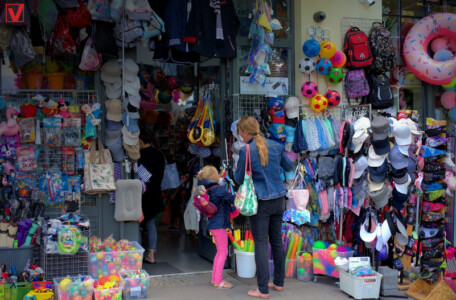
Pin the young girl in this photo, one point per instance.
(208, 181)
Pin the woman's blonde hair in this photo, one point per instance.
(250, 126)
(208, 173)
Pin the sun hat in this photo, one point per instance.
(381, 147)
(292, 107)
(113, 90)
(379, 242)
(380, 128)
(386, 232)
(132, 151)
(399, 176)
(116, 149)
(369, 236)
(402, 134)
(374, 186)
(403, 188)
(111, 71)
(360, 166)
(130, 138)
(401, 232)
(375, 160)
(134, 99)
(362, 123)
(131, 124)
(131, 70)
(114, 110)
(132, 87)
(412, 125)
(378, 174)
(397, 159)
(358, 140)
(380, 197)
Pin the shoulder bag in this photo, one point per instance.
(246, 199)
(98, 170)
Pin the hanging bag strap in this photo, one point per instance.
(93, 152)
(248, 160)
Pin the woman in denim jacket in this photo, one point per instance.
(267, 159)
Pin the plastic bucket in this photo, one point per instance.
(56, 80)
(34, 80)
(245, 264)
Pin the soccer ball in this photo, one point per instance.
(311, 48)
(318, 103)
(309, 89)
(323, 66)
(327, 49)
(307, 65)
(339, 59)
(333, 98)
(335, 75)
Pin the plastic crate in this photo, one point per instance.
(135, 288)
(15, 291)
(104, 263)
(112, 294)
(361, 287)
(17, 257)
(73, 291)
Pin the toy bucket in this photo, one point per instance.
(245, 264)
(56, 80)
(34, 80)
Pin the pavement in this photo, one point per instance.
(197, 286)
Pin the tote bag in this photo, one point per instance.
(299, 195)
(171, 178)
(246, 200)
(98, 171)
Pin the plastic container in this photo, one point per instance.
(56, 80)
(34, 80)
(17, 257)
(290, 268)
(346, 254)
(15, 291)
(245, 264)
(104, 263)
(74, 289)
(304, 269)
(108, 294)
(361, 287)
(135, 288)
(323, 262)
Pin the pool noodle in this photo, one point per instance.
(235, 244)
(292, 256)
(287, 256)
(251, 246)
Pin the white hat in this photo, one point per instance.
(111, 71)
(130, 138)
(401, 236)
(113, 90)
(380, 242)
(403, 188)
(375, 160)
(358, 140)
(404, 149)
(362, 124)
(412, 125)
(386, 232)
(132, 87)
(114, 110)
(374, 186)
(364, 234)
(131, 70)
(360, 166)
(292, 107)
(402, 134)
(134, 99)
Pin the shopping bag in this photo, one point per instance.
(299, 195)
(171, 178)
(98, 170)
(246, 200)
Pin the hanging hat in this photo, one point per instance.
(360, 166)
(292, 107)
(114, 110)
(111, 71)
(375, 160)
(380, 128)
(402, 134)
(380, 197)
(397, 159)
(131, 70)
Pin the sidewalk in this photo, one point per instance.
(197, 287)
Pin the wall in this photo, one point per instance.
(335, 10)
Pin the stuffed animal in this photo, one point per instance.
(63, 109)
(10, 127)
(90, 122)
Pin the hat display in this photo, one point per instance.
(379, 174)
(402, 134)
(130, 138)
(362, 124)
(412, 125)
(132, 87)
(131, 70)
(113, 90)
(292, 107)
(403, 188)
(397, 159)
(380, 197)
(381, 147)
(360, 166)
(374, 186)
(375, 160)
(134, 99)
(399, 176)
(114, 110)
(380, 128)
(358, 140)
(132, 151)
(111, 71)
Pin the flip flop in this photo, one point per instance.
(150, 262)
(256, 294)
(271, 285)
(223, 285)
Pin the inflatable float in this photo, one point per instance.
(416, 53)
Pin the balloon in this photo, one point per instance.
(451, 84)
(439, 44)
(448, 99)
(443, 55)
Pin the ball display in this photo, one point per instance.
(323, 66)
(327, 49)
(336, 75)
(311, 48)
(339, 59)
(307, 65)
(333, 98)
(319, 103)
(309, 89)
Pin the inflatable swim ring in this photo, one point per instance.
(416, 44)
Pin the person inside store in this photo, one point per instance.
(208, 182)
(152, 202)
(267, 158)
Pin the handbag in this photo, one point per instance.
(300, 196)
(128, 198)
(171, 178)
(90, 59)
(208, 134)
(246, 200)
(98, 170)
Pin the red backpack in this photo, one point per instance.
(356, 47)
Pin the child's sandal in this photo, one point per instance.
(223, 285)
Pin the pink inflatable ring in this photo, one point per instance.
(416, 45)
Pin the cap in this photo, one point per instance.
(381, 147)
(292, 107)
(403, 188)
(131, 70)
(130, 138)
(375, 160)
(402, 134)
(380, 128)
(378, 174)
(397, 159)
(113, 90)
(362, 124)
(111, 71)
(132, 87)
(358, 140)
(130, 123)
(374, 186)
(132, 150)
(380, 197)
(404, 149)
(369, 236)
(360, 166)
(412, 125)
(114, 110)
(399, 176)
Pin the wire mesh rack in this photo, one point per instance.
(56, 265)
(248, 105)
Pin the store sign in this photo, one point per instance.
(273, 86)
(14, 12)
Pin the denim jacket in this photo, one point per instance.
(223, 200)
(268, 179)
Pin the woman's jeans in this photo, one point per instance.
(268, 222)
(151, 233)
(221, 243)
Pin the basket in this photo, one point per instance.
(361, 287)
(15, 291)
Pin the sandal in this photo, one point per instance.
(271, 285)
(223, 285)
(256, 294)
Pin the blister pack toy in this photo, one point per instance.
(52, 131)
(72, 131)
(26, 158)
(27, 131)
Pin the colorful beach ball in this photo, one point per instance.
(339, 59)
(336, 75)
(307, 65)
(319, 103)
(333, 98)
(309, 89)
(327, 49)
(311, 48)
(323, 66)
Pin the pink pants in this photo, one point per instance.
(221, 242)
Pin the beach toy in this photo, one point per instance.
(311, 48)
(332, 247)
(319, 245)
(65, 284)
(327, 49)
(309, 89)
(339, 59)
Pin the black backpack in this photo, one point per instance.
(382, 48)
(381, 95)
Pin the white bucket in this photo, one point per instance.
(245, 264)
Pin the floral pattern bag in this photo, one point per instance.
(246, 199)
(98, 170)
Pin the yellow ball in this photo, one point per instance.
(332, 247)
(319, 103)
(65, 284)
(327, 49)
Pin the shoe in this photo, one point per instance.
(271, 285)
(223, 285)
(150, 262)
(256, 294)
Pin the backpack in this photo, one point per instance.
(356, 47)
(381, 95)
(204, 205)
(356, 84)
(381, 45)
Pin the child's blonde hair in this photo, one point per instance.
(208, 173)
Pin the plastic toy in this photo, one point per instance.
(108, 288)
(63, 108)
(136, 284)
(311, 48)
(336, 75)
(333, 98)
(69, 240)
(323, 66)
(339, 59)
(80, 288)
(307, 65)
(10, 127)
(318, 103)
(327, 49)
(309, 89)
